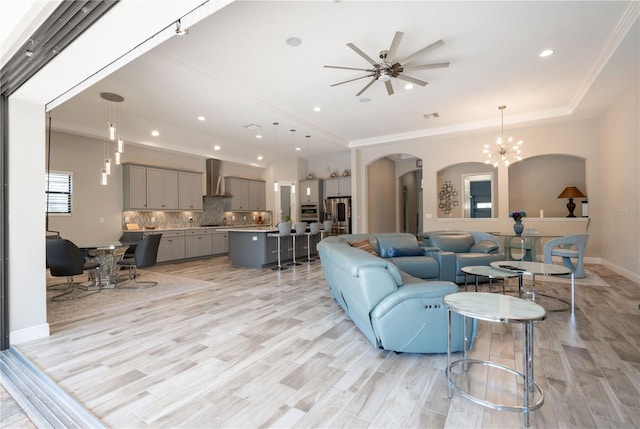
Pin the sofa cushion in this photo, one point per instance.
(423, 267)
(405, 251)
(365, 245)
(397, 240)
(460, 242)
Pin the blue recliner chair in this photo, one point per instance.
(569, 247)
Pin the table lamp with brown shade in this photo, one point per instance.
(571, 192)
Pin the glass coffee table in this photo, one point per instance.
(537, 269)
(500, 309)
(489, 272)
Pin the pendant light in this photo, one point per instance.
(505, 151)
(111, 102)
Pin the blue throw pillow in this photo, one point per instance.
(404, 251)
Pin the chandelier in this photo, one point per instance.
(505, 151)
(110, 108)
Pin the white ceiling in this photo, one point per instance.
(235, 68)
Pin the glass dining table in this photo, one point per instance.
(522, 247)
(107, 255)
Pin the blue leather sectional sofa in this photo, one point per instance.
(395, 298)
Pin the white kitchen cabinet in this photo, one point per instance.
(172, 246)
(310, 191)
(198, 243)
(219, 242)
(135, 187)
(247, 194)
(190, 191)
(162, 189)
(337, 187)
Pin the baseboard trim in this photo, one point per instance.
(32, 333)
(622, 271)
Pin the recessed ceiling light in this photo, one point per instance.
(155, 133)
(316, 109)
(546, 53)
(201, 118)
(298, 148)
(408, 86)
(216, 147)
(365, 100)
(260, 158)
(258, 136)
(294, 41)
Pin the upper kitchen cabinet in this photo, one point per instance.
(338, 187)
(135, 187)
(247, 195)
(257, 195)
(310, 191)
(162, 189)
(189, 191)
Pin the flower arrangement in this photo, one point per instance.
(517, 216)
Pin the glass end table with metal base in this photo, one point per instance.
(501, 309)
(537, 269)
(489, 272)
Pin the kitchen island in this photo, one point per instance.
(253, 248)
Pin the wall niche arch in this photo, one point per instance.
(536, 182)
(467, 190)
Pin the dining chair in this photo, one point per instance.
(65, 259)
(132, 238)
(568, 248)
(146, 255)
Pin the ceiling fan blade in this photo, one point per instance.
(351, 80)
(427, 66)
(366, 87)
(394, 45)
(412, 79)
(389, 87)
(349, 68)
(421, 51)
(362, 54)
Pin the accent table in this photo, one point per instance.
(489, 272)
(537, 268)
(502, 309)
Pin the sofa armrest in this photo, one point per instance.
(480, 236)
(447, 262)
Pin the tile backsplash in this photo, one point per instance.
(212, 214)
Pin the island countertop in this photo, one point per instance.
(253, 229)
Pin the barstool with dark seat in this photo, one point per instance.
(284, 230)
(301, 229)
(314, 229)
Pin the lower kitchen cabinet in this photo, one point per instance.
(219, 243)
(198, 243)
(172, 246)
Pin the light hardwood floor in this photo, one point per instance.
(262, 348)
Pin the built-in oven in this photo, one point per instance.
(309, 213)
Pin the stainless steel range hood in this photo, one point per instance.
(214, 179)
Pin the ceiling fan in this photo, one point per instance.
(388, 68)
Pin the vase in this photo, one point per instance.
(518, 227)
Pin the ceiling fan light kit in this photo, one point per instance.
(388, 68)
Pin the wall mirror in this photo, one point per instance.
(467, 190)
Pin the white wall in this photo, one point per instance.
(381, 201)
(618, 208)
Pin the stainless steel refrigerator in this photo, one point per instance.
(338, 211)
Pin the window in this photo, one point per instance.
(58, 187)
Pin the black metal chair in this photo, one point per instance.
(146, 255)
(132, 238)
(65, 259)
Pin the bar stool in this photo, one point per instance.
(327, 226)
(314, 229)
(284, 230)
(301, 229)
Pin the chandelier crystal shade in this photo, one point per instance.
(505, 151)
